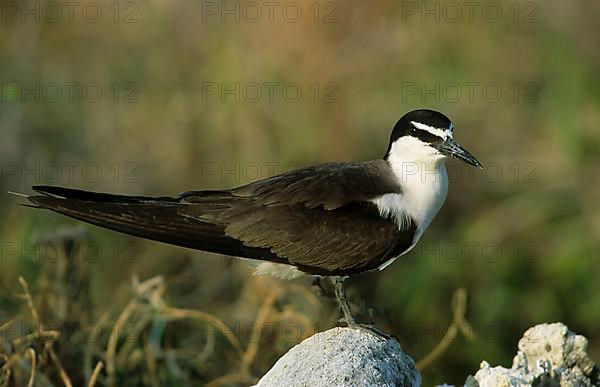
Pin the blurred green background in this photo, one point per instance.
(156, 97)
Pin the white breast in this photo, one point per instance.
(424, 181)
(420, 201)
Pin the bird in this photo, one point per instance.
(332, 220)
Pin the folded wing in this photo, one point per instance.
(320, 219)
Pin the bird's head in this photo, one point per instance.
(426, 136)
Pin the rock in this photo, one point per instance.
(549, 355)
(344, 357)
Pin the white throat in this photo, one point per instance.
(422, 175)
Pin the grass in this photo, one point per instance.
(49, 344)
(43, 346)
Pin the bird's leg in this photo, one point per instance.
(340, 295)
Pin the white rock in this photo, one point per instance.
(549, 355)
(344, 357)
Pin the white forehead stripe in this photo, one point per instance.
(440, 132)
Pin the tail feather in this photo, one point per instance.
(155, 218)
(78, 194)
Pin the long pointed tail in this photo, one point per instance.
(156, 218)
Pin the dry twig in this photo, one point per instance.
(459, 308)
(96, 374)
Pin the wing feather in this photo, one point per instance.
(330, 185)
(320, 219)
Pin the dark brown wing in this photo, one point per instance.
(319, 219)
(157, 219)
(329, 185)
(349, 239)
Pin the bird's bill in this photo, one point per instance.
(453, 149)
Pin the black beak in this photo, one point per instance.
(451, 148)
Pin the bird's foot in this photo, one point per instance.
(370, 327)
(373, 329)
(349, 323)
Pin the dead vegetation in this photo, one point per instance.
(58, 338)
(55, 340)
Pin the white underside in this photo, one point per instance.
(279, 270)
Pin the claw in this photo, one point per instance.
(373, 329)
